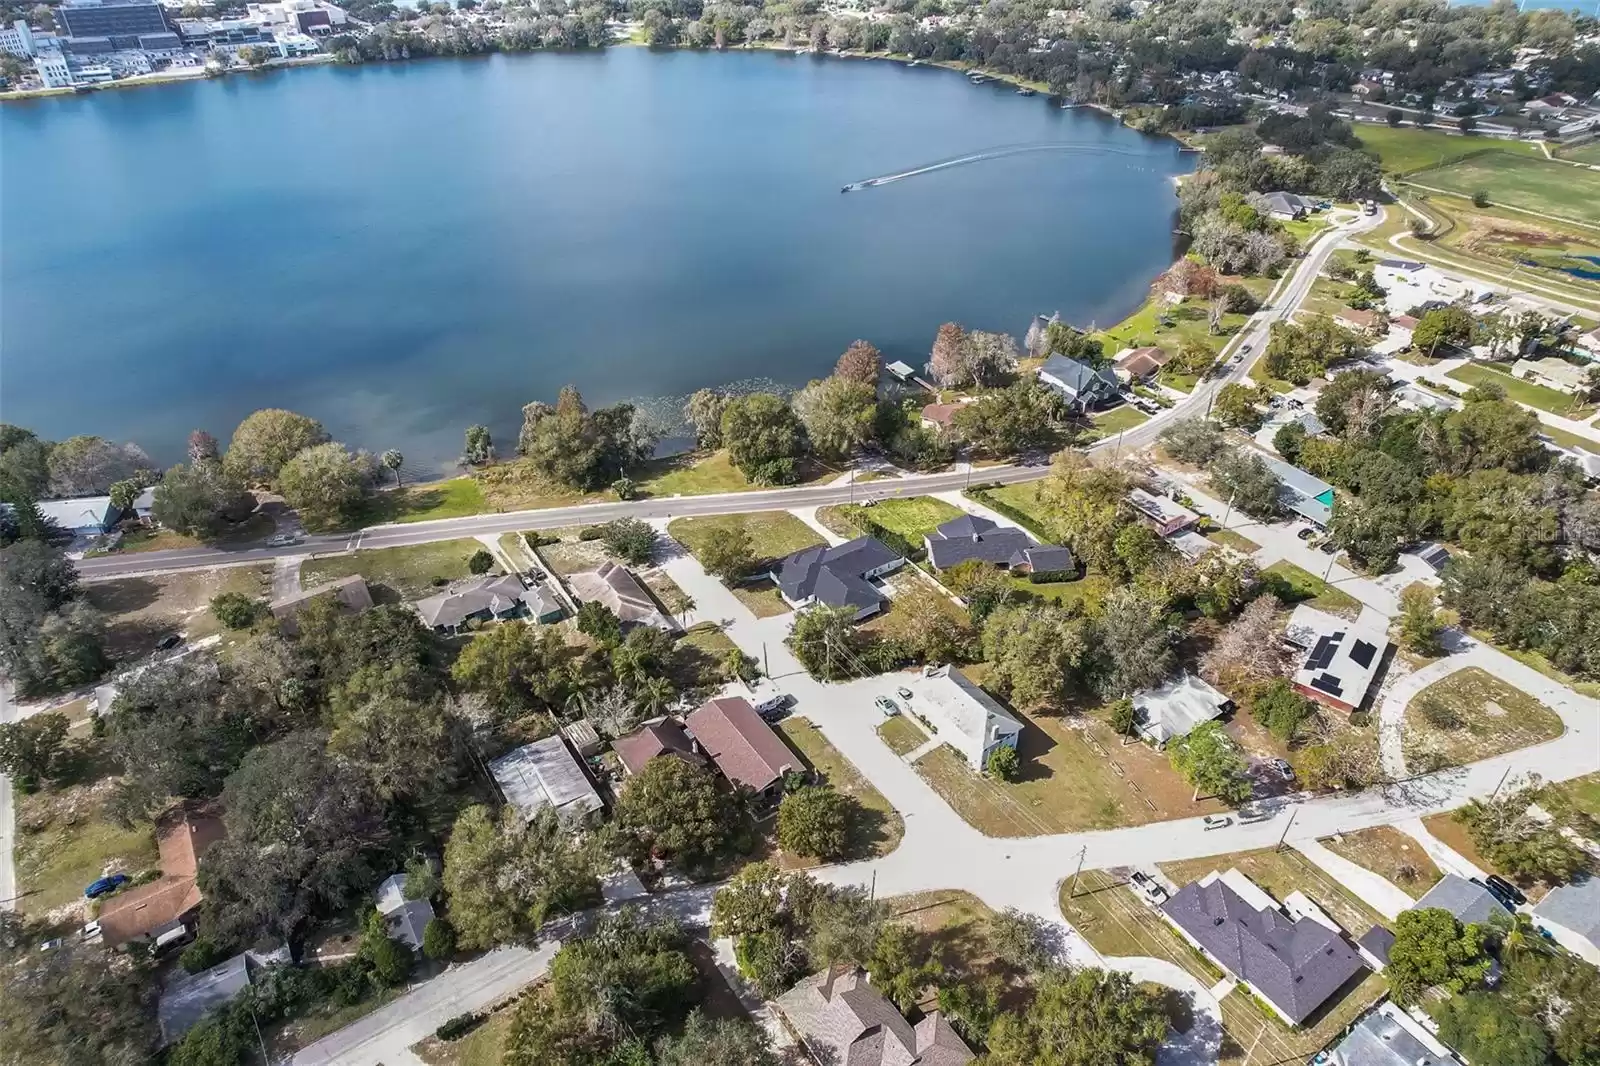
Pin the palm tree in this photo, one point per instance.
(654, 693)
(684, 608)
(392, 459)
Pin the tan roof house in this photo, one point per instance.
(1136, 364)
(161, 910)
(351, 593)
(843, 1020)
(940, 416)
(615, 586)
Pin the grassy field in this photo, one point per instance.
(1584, 153)
(1118, 923)
(1279, 873)
(1168, 326)
(1530, 183)
(1294, 585)
(1581, 794)
(773, 534)
(152, 539)
(64, 841)
(1403, 149)
(877, 827)
(1472, 715)
(484, 1046)
(1569, 440)
(1526, 392)
(456, 497)
(141, 610)
(1230, 539)
(408, 573)
(1390, 854)
(1023, 498)
(1110, 423)
(695, 473)
(912, 517)
(901, 736)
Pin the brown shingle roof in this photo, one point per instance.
(744, 747)
(941, 413)
(140, 911)
(656, 738)
(617, 588)
(843, 1019)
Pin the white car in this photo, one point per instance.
(1216, 821)
(283, 540)
(1148, 888)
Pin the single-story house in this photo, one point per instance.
(1401, 327)
(1571, 915)
(1294, 965)
(970, 537)
(940, 416)
(743, 746)
(144, 505)
(1342, 658)
(1085, 387)
(1165, 516)
(839, 576)
(1553, 373)
(491, 598)
(404, 918)
(1386, 1037)
(163, 910)
(1172, 709)
(1375, 945)
(1287, 206)
(964, 716)
(86, 516)
(1307, 496)
(1356, 319)
(188, 999)
(1470, 902)
(546, 774)
(664, 737)
(615, 586)
(351, 593)
(1137, 364)
(842, 1019)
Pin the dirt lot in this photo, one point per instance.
(142, 610)
(1390, 854)
(1473, 715)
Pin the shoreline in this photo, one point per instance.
(165, 77)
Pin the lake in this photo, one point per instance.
(404, 250)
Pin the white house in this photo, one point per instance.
(963, 715)
(1173, 709)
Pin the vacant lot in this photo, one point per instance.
(1526, 392)
(452, 498)
(141, 610)
(65, 841)
(563, 553)
(954, 926)
(913, 517)
(1390, 854)
(408, 573)
(1403, 149)
(1280, 873)
(877, 828)
(691, 474)
(773, 534)
(1118, 923)
(1292, 585)
(1473, 715)
(1522, 181)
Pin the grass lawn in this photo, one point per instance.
(901, 736)
(1569, 440)
(1253, 1037)
(1168, 326)
(1118, 923)
(1581, 794)
(150, 539)
(694, 473)
(484, 1046)
(1279, 873)
(1472, 715)
(1295, 585)
(1230, 539)
(1525, 392)
(1118, 419)
(912, 517)
(1305, 230)
(1390, 854)
(877, 828)
(453, 498)
(325, 1018)
(773, 534)
(1524, 181)
(1258, 374)
(408, 573)
(64, 842)
(141, 610)
(699, 655)
(1404, 148)
(1023, 499)
(1090, 590)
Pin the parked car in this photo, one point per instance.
(1148, 888)
(903, 692)
(1216, 821)
(1504, 891)
(887, 706)
(283, 540)
(99, 888)
(1306, 533)
(170, 641)
(1282, 768)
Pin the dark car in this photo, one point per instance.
(104, 885)
(170, 641)
(1504, 891)
(1307, 533)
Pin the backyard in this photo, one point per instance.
(1527, 392)
(1292, 585)
(877, 828)
(1389, 853)
(65, 840)
(1256, 1038)
(1472, 715)
(407, 573)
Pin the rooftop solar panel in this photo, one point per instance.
(1327, 683)
(1362, 653)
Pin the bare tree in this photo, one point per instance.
(947, 362)
(1250, 649)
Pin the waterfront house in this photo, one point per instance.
(1288, 206)
(1085, 387)
(1138, 364)
(86, 516)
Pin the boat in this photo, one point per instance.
(1024, 91)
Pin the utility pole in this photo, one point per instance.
(1229, 512)
(1285, 835)
(766, 667)
(1072, 893)
(1501, 785)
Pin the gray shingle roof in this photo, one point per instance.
(1379, 1040)
(1078, 380)
(616, 586)
(970, 537)
(187, 1001)
(844, 1021)
(1470, 903)
(834, 576)
(1575, 907)
(1297, 964)
(498, 595)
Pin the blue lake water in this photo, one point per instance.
(403, 250)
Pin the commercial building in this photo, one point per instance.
(967, 718)
(18, 39)
(546, 774)
(120, 21)
(839, 576)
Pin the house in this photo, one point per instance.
(1342, 658)
(163, 910)
(1294, 965)
(1590, 342)
(1175, 707)
(491, 598)
(1470, 902)
(1085, 387)
(87, 516)
(1364, 322)
(1137, 364)
(1436, 555)
(1165, 516)
(1570, 914)
(744, 747)
(1287, 206)
(351, 593)
(1386, 1037)
(187, 1000)
(1305, 418)
(144, 505)
(546, 774)
(1375, 945)
(665, 737)
(404, 918)
(1553, 373)
(1400, 328)
(971, 537)
(615, 586)
(839, 576)
(843, 1020)
(940, 417)
(963, 715)
(1309, 497)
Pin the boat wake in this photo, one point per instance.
(989, 153)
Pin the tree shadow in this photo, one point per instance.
(868, 830)
(122, 596)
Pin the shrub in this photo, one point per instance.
(481, 562)
(536, 539)
(438, 939)
(592, 533)
(625, 488)
(236, 610)
(201, 955)
(1480, 198)
(629, 539)
(1003, 763)
(459, 1026)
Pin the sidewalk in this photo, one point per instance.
(1378, 892)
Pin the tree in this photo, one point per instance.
(1038, 653)
(632, 540)
(203, 448)
(1392, 117)
(268, 439)
(720, 1042)
(326, 483)
(1487, 1032)
(675, 809)
(1236, 406)
(704, 413)
(989, 357)
(31, 748)
(202, 500)
(902, 965)
(1024, 941)
(1192, 440)
(1354, 403)
(516, 667)
(235, 610)
(726, 551)
(409, 749)
(597, 620)
(1432, 949)
(1281, 709)
(392, 461)
(1134, 640)
(571, 445)
(88, 466)
(123, 493)
(481, 562)
(947, 361)
(815, 821)
(24, 462)
(1007, 421)
(479, 447)
(839, 415)
(763, 437)
(1211, 762)
(505, 877)
(438, 939)
(1079, 1017)
(860, 362)
(75, 1005)
(1516, 841)
(31, 567)
(1250, 648)
(1418, 623)
(842, 927)
(1003, 763)
(1248, 482)
(825, 641)
(1450, 326)
(752, 901)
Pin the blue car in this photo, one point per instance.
(104, 885)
